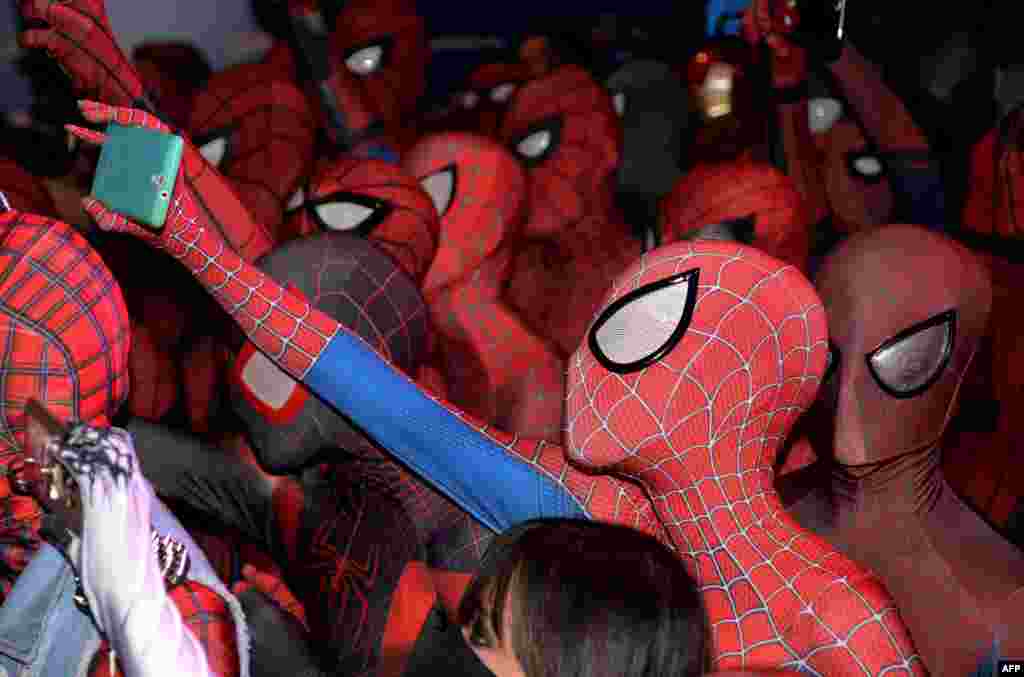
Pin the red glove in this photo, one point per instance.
(79, 37)
(200, 192)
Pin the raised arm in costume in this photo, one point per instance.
(727, 333)
(895, 144)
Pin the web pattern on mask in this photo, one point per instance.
(701, 428)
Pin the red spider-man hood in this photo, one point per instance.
(994, 191)
(64, 323)
(478, 189)
(260, 133)
(711, 194)
(906, 310)
(373, 199)
(24, 191)
(348, 278)
(480, 104)
(704, 355)
(383, 43)
(856, 184)
(564, 129)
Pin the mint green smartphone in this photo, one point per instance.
(136, 173)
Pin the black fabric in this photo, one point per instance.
(441, 650)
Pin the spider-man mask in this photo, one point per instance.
(906, 310)
(703, 356)
(65, 327)
(563, 127)
(382, 45)
(480, 105)
(478, 189)
(855, 176)
(373, 199)
(352, 281)
(758, 198)
(259, 134)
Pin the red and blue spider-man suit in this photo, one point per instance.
(565, 130)
(688, 382)
(67, 339)
(493, 366)
(906, 309)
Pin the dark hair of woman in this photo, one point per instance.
(572, 597)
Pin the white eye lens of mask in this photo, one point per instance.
(440, 186)
(469, 100)
(366, 60)
(640, 328)
(868, 165)
(213, 151)
(297, 200)
(502, 93)
(343, 215)
(619, 103)
(267, 382)
(822, 114)
(910, 364)
(535, 144)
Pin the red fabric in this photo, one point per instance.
(207, 616)
(171, 72)
(155, 377)
(394, 91)
(725, 133)
(269, 134)
(701, 434)
(407, 230)
(856, 204)
(995, 204)
(78, 35)
(66, 339)
(576, 241)
(883, 499)
(494, 366)
(716, 192)
(701, 429)
(24, 191)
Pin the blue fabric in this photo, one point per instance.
(380, 152)
(480, 476)
(920, 197)
(723, 11)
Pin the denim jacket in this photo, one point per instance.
(44, 634)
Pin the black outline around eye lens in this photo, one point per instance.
(447, 169)
(947, 317)
(222, 133)
(552, 125)
(692, 277)
(381, 209)
(851, 166)
(386, 45)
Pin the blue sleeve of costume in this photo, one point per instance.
(484, 479)
(920, 197)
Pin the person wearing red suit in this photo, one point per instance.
(900, 350)
(68, 337)
(690, 376)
